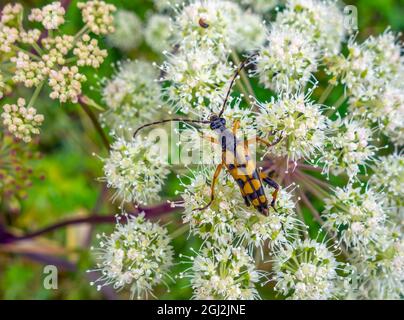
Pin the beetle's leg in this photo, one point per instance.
(212, 187)
(267, 143)
(264, 176)
(236, 126)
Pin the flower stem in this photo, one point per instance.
(94, 120)
(35, 95)
(179, 231)
(80, 33)
(325, 94)
(160, 209)
(315, 213)
(336, 105)
(33, 56)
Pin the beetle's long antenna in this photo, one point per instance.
(233, 80)
(168, 120)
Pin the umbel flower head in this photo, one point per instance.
(380, 270)
(306, 270)
(88, 52)
(228, 219)
(226, 273)
(128, 31)
(358, 216)
(51, 15)
(136, 169)
(321, 21)
(297, 121)
(132, 96)
(288, 61)
(347, 147)
(21, 121)
(137, 255)
(260, 6)
(388, 178)
(196, 77)
(158, 32)
(219, 16)
(54, 58)
(249, 32)
(98, 16)
(369, 68)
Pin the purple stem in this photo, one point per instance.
(6, 237)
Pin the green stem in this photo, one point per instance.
(37, 48)
(33, 56)
(80, 33)
(36, 94)
(179, 231)
(336, 105)
(325, 93)
(94, 120)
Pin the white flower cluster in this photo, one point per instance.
(306, 270)
(136, 169)
(30, 37)
(132, 96)
(10, 19)
(372, 73)
(388, 178)
(57, 47)
(208, 23)
(195, 75)
(229, 219)
(56, 56)
(28, 71)
(51, 16)
(297, 121)
(348, 147)
(88, 52)
(164, 5)
(320, 21)
(98, 16)
(381, 271)
(226, 273)
(11, 12)
(261, 6)
(128, 31)
(303, 33)
(359, 215)
(158, 32)
(21, 121)
(66, 84)
(288, 61)
(205, 32)
(137, 254)
(370, 67)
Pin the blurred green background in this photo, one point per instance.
(71, 189)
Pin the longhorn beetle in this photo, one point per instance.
(236, 157)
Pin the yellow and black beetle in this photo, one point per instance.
(236, 156)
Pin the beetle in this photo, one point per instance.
(236, 157)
